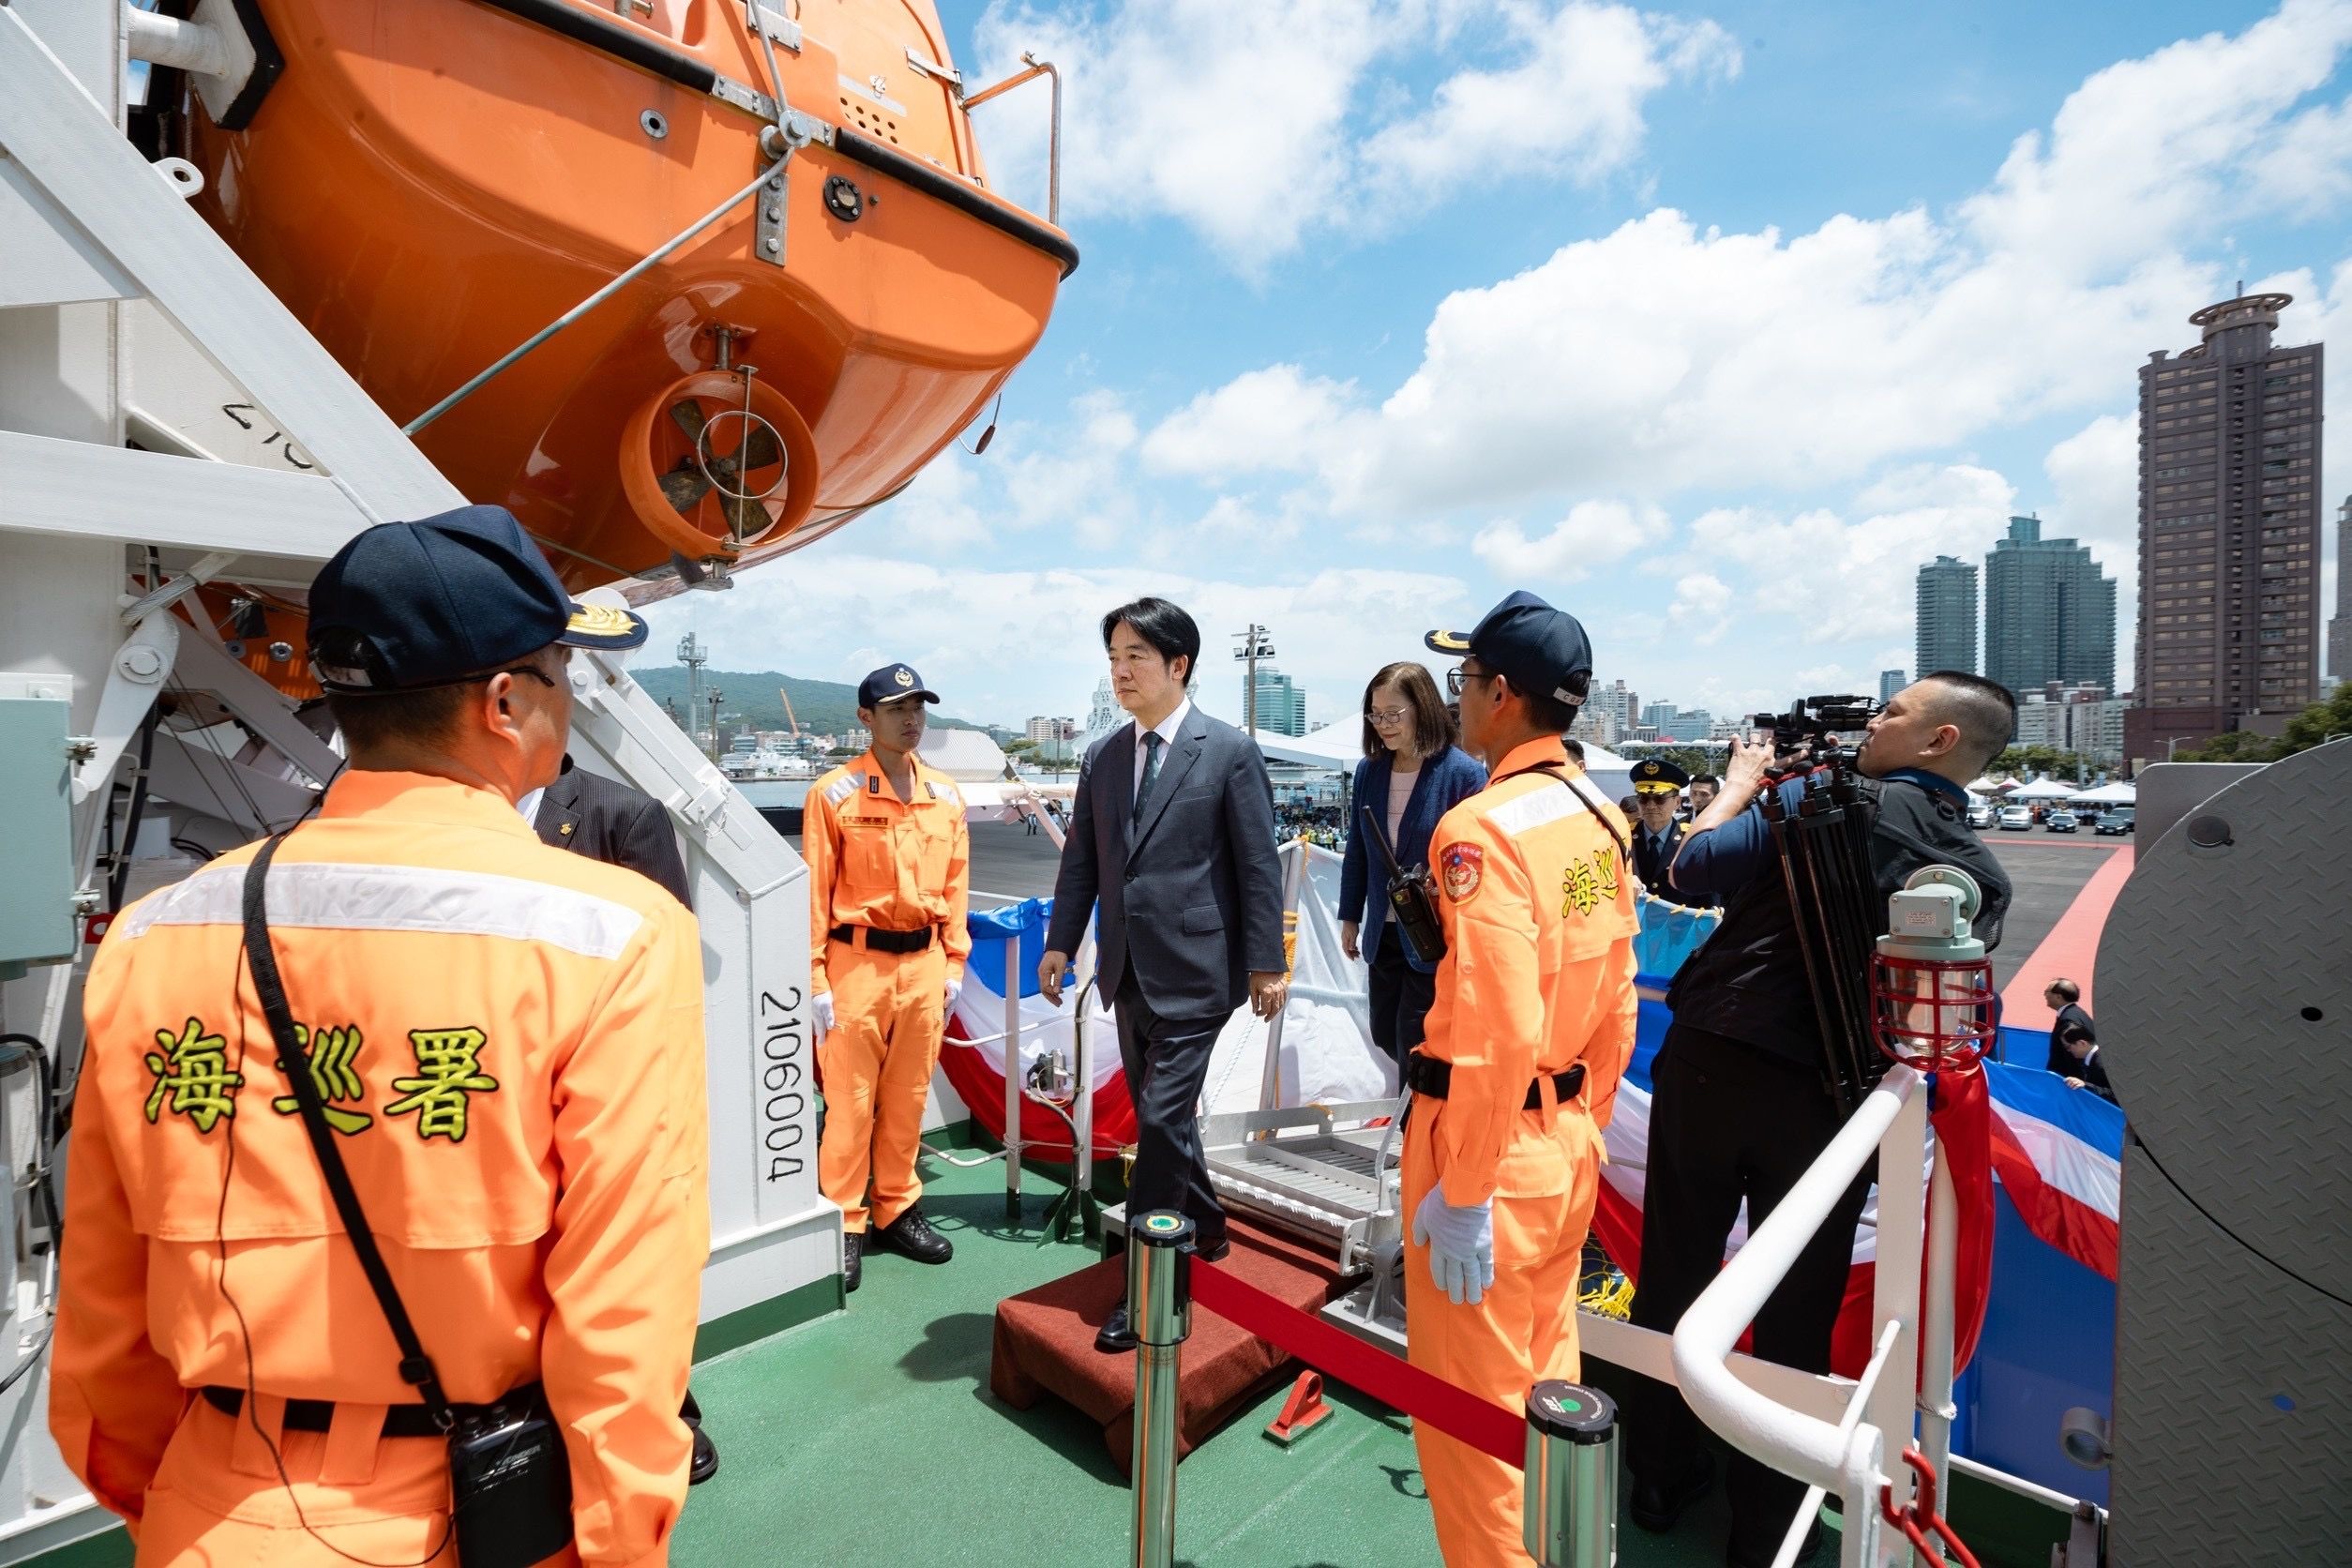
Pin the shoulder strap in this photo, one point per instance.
(417, 1369)
(1583, 792)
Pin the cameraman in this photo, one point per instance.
(1739, 1110)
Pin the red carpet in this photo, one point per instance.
(2070, 950)
(1045, 1344)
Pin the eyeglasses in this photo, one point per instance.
(1389, 715)
(1458, 677)
(531, 670)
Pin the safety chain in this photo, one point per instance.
(1918, 1520)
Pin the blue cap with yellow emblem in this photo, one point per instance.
(893, 683)
(405, 606)
(1541, 650)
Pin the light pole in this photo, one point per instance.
(1254, 647)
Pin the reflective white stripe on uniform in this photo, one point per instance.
(355, 897)
(843, 788)
(1518, 815)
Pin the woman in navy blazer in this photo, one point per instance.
(1407, 740)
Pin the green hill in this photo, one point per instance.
(825, 707)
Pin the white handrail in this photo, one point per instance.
(1846, 1460)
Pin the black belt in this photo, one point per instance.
(1427, 1074)
(399, 1421)
(876, 940)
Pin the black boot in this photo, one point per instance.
(705, 1461)
(1115, 1335)
(852, 1260)
(1655, 1507)
(912, 1235)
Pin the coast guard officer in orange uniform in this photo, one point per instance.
(889, 882)
(494, 1028)
(1532, 1026)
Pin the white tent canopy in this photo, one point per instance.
(1988, 785)
(1340, 748)
(2117, 793)
(2043, 789)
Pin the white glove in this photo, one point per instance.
(1461, 1244)
(823, 1026)
(955, 989)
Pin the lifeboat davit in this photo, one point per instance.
(426, 184)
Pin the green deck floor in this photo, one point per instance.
(870, 1436)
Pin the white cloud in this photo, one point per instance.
(1666, 355)
(1274, 420)
(1700, 602)
(1593, 534)
(1259, 125)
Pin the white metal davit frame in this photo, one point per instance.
(153, 396)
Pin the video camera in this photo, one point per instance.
(1803, 733)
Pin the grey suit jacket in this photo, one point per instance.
(1190, 896)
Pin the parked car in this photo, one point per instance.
(2016, 818)
(2113, 821)
(2059, 820)
(1980, 813)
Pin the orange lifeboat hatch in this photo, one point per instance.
(428, 184)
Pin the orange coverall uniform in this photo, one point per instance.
(1538, 975)
(508, 1041)
(887, 865)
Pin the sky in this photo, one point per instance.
(1710, 325)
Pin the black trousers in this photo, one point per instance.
(1728, 1121)
(1401, 996)
(1167, 1061)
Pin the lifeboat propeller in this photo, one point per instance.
(716, 461)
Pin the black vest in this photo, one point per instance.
(1747, 982)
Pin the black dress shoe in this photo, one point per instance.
(912, 1235)
(1213, 1252)
(705, 1462)
(1115, 1335)
(1655, 1507)
(852, 1260)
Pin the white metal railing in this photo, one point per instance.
(1856, 1455)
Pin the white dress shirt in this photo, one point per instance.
(529, 804)
(1168, 730)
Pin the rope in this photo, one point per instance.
(1398, 1384)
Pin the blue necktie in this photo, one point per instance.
(1152, 744)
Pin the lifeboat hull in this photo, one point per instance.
(430, 182)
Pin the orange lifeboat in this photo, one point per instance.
(428, 184)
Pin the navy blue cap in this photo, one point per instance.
(1539, 649)
(1658, 776)
(893, 683)
(409, 605)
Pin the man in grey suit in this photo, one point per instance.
(1171, 838)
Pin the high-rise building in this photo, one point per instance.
(2340, 624)
(2230, 532)
(1281, 706)
(2049, 613)
(1947, 615)
(1622, 705)
(1041, 728)
(1891, 682)
(2080, 718)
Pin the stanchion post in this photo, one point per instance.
(1013, 1141)
(1159, 1306)
(1571, 1496)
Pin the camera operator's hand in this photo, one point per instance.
(1751, 759)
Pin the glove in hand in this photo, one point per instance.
(1461, 1244)
(823, 1011)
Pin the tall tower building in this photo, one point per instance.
(2230, 532)
(1891, 682)
(2340, 624)
(2049, 613)
(1947, 615)
(1281, 706)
